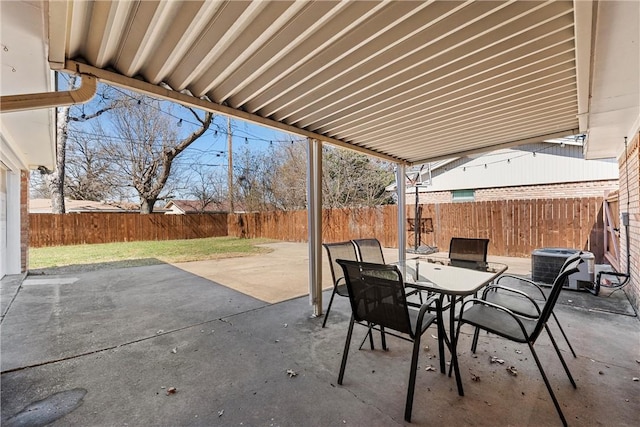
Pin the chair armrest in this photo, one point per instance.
(426, 307)
(523, 281)
(431, 297)
(526, 296)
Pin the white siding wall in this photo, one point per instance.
(10, 245)
(517, 167)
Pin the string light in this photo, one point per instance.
(180, 123)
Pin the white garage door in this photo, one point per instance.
(3, 221)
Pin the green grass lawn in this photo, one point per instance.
(144, 253)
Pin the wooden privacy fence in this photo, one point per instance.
(517, 227)
(102, 227)
(514, 227)
(337, 224)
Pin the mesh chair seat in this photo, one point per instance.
(426, 321)
(519, 305)
(500, 323)
(342, 290)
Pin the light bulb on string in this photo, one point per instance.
(180, 123)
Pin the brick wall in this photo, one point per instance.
(554, 191)
(629, 197)
(24, 220)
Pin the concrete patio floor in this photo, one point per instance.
(103, 347)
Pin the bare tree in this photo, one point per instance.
(277, 179)
(90, 173)
(206, 186)
(55, 179)
(146, 142)
(255, 174)
(38, 188)
(290, 186)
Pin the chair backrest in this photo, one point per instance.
(369, 250)
(468, 252)
(569, 267)
(340, 250)
(376, 293)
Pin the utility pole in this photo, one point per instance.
(230, 170)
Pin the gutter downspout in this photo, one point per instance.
(34, 101)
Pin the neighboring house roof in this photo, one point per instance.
(44, 206)
(532, 164)
(195, 206)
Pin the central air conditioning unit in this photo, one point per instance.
(547, 262)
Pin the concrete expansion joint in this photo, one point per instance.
(21, 279)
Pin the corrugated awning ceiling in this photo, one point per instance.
(413, 80)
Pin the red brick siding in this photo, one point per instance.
(629, 197)
(554, 191)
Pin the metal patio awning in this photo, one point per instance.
(412, 81)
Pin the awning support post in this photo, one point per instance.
(402, 227)
(314, 212)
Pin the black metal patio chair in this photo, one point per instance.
(468, 252)
(501, 321)
(340, 250)
(519, 299)
(377, 296)
(369, 250)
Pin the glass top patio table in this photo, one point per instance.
(438, 276)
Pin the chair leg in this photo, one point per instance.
(474, 343)
(454, 360)
(370, 336)
(346, 350)
(412, 378)
(383, 338)
(563, 334)
(564, 364)
(546, 382)
(326, 315)
(441, 334)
